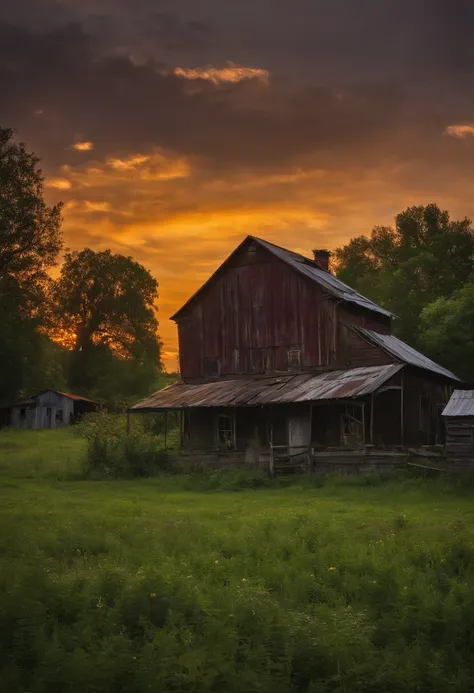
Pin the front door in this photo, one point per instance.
(298, 432)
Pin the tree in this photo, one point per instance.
(30, 230)
(30, 240)
(106, 302)
(425, 257)
(447, 331)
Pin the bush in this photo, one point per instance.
(112, 453)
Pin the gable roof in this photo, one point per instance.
(304, 266)
(402, 352)
(253, 391)
(461, 403)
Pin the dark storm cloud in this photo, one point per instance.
(125, 107)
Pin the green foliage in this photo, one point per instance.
(30, 240)
(426, 256)
(141, 585)
(114, 453)
(107, 301)
(447, 331)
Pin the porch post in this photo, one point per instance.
(166, 427)
(401, 414)
(372, 419)
(363, 423)
(272, 469)
(181, 427)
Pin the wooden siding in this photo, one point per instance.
(254, 312)
(355, 351)
(50, 410)
(460, 440)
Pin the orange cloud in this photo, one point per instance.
(83, 146)
(58, 183)
(96, 206)
(229, 73)
(460, 131)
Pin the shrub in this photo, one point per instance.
(112, 453)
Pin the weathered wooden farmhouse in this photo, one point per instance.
(459, 422)
(281, 362)
(47, 409)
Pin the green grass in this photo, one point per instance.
(188, 584)
(40, 454)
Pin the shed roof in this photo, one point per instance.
(461, 403)
(32, 399)
(307, 267)
(403, 352)
(265, 390)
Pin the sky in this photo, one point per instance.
(171, 129)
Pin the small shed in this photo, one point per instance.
(459, 423)
(48, 409)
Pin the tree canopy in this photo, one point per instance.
(106, 301)
(424, 257)
(30, 241)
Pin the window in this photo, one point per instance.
(211, 367)
(225, 431)
(294, 359)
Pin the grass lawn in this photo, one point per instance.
(165, 585)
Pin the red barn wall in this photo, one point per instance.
(253, 312)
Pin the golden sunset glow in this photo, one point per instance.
(58, 183)
(229, 73)
(460, 130)
(83, 146)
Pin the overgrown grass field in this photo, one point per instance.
(196, 583)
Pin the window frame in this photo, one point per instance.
(293, 366)
(225, 434)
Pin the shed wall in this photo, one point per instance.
(460, 440)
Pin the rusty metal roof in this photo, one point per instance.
(305, 266)
(264, 390)
(460, 404)
(76, 398)
(311, 269)
(403, 352)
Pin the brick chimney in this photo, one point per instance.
(322, 258)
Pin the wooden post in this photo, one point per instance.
(310, 434)
(372, 419)
(234, 428)
(401, 414)
(363, 423)
(272, 469)
(128, 423)
(166, 427)
(181, 428)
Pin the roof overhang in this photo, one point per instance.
(263, 390)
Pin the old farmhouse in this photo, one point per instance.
(283, 364)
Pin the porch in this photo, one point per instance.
(338, 420)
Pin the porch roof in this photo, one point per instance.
(262, 390)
